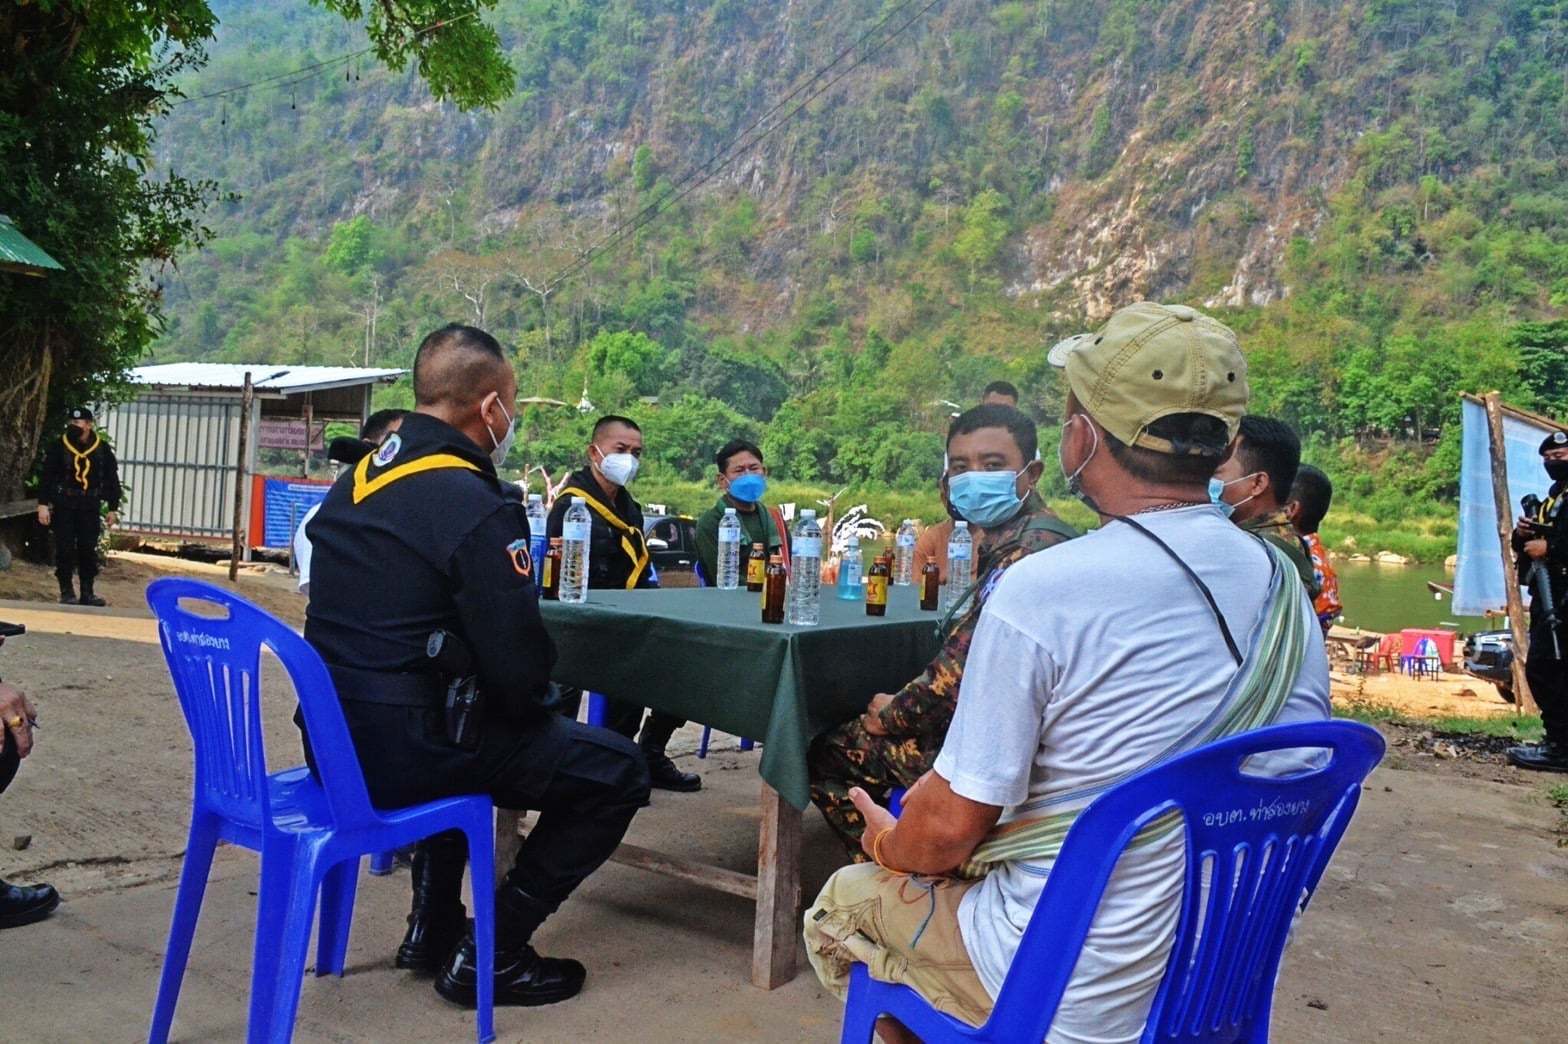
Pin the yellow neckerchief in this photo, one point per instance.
(1543, 514)
(81, 466)
(364, 485)
(632, 541)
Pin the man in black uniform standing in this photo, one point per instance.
(80, 474)
(1541, 542)
(421, 536)
(618, 559)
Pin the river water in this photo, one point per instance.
(1388, 598)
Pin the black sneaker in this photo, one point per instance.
(663, 774)
(1540, 757)
(522, 977)
(26, 904)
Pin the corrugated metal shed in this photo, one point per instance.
(20, 254)
(271, 377)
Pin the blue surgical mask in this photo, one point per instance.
(985, 498)
(1217, 487)
(749, 488)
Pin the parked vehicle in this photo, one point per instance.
(672, 541)
(1489, 655)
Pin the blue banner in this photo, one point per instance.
(284, 505)
(1478, 581)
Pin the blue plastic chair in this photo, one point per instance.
(1265, 843)
(310, 834)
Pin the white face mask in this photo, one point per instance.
(502, 446)
(619, 468)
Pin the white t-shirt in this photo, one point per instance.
(302, 549)
(1090, 658)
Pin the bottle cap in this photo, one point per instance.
(578, 500)
(555, 541)
(757, 545)
(806, 513)
(960, 524)
(775, 559)
(729, 511)
(535, 498)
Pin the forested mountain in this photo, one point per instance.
(1375, 192)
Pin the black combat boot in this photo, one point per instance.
(24, 904)
(662, 773)
(87, 568)
(88, 598)
(67, 590)
(438, 919)
(522, 977)
(1545, 756)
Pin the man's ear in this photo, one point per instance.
(1032, 473)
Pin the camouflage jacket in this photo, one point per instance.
(1277, 530)
(925, 706)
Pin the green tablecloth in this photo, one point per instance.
(705, 655)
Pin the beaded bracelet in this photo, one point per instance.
(876, 849)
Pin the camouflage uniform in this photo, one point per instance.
(1277, 530)
(917, 719)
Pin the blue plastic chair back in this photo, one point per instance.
(1261, 843)
(215, 664)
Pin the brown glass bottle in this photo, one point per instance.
(757, 568)
(773, 592)
(930, 583)
(876, 585)
(551, 588)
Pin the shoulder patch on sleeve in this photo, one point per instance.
(522, 561)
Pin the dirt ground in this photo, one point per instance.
(1444, 915)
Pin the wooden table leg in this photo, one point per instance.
(507, 842)
(776, 935)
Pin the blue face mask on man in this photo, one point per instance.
(749, 488)
(1217, 487)
(985, 498)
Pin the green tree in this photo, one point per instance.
(985, 230)
(642, 360)
(353, 245)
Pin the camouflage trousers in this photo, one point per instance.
(849, 756)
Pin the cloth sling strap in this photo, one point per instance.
(632, 540)
(1254, 698)
(364, 485)
(81, 460)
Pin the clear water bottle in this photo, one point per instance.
(538, 521)
(575, 530)
(849, 568)
(960, 564)
(805, 572)
(729, 551)
(904, 554)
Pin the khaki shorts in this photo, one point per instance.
(904, 929)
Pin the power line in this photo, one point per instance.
(720, 159)
(294, 77)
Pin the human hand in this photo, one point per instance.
(16, 716)
(871, 720)
(1536, 548)
(111, 519)
(43, 514)
(878, 820)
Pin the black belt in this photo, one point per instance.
(389, 688)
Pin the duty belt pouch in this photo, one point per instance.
(463, 704)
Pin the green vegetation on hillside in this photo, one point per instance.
(1375, 194)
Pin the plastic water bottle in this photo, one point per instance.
(538, 542)
(849, 567)
(729, 551)
(960, 564)
(904, 554)
(575, 530)
(805, 571)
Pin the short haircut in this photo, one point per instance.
(1199, 439)
(1020, 427)
(453, 364)
(376, 424)
(610, 420)
(1272, 447)
(1001, 388)
(732, 447)
(1313, 490)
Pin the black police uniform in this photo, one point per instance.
(1546, 673)
(618, 559)
(78, 480)
(419, 536)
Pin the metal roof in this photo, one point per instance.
(273, 377)
(20, 254)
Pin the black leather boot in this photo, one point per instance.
(662, 773)
(67, 591)
(88, 598)
(437, 919)
(1542, 757)
(25, 904)
(522, 977)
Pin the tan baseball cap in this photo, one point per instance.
(1150, 361)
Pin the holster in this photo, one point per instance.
(463, 704)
